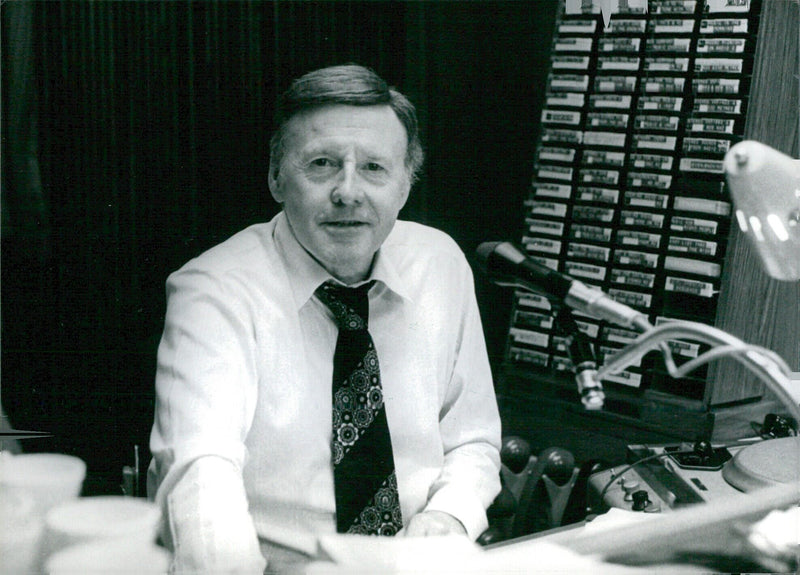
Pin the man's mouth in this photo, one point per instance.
(345, 224)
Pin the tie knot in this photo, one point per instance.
(350, 306)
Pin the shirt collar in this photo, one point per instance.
(306, 274)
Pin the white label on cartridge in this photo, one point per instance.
(608, 120)
(695, 225)
(572, 44)
(612, 44)
(548, 209)
(717, 106)
(639, 239)
(692, 246)
(557, 154)
(633, 278)
(621, 26)
(570, 117)
(603, 157)
(646, 200)
(642, 219)
(669, 44)
(648, 180)
(667, 123)
(591, 233)
(630, 63)
(705, 145)
(599, 176)
(672, 6)
(568, 82)
(713, 125)
(612, 139)
(560, 363)
(721, 45)
(555, 172)
(683, 285)
(618, 335)
(542, 245)
(531, 300)
(562, 136)
(599, 195)
(719, 65)
(590, 329)
(684, 348)
(588, 251)
(631, 298)
(527, 356)
(666, 64)
(533, 319)
(550, 190)
(565, 99)
(661, 103)
(652, 161)
(654, 142)
(577, 26)
(596, 273)
(529, 337)
(570, 62)
(635, 258)
(673, 26)
(723, 26)
(544, 227)
(691, 266)
(701, 165)
(668, 84)
(590, 213)
(620, 101)
(716, 85)
(715, 207)
(615, 83)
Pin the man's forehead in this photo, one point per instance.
(334, 124)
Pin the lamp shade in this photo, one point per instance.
(765, 188)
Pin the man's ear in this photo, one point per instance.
(274, 183)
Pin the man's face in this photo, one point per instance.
(342, 182)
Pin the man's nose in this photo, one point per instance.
(347, 189)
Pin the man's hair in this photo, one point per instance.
(350, 85)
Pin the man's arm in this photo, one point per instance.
(470, 431)
(205, 396)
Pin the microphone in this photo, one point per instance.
(508, 265)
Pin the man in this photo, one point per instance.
(247, 446)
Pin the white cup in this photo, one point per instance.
(50, 478)
(131, 520)
(109, 557)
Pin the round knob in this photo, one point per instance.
(640, 500)
(515, 453)
(558, 464)
(704, 450)
(629, 486)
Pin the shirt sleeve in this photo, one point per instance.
(469, 426)
(205, 398)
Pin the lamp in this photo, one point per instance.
(765, 187)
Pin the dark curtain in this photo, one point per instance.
(135, 136)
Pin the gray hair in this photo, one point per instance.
(350, 85)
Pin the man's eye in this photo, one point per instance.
(374, 167)
(321, 163)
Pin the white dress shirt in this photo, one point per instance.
(242, 432)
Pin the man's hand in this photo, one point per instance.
(430, 523)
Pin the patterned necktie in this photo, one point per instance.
(367, 501)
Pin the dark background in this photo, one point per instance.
(135, 136)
